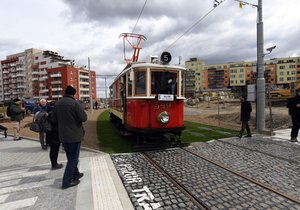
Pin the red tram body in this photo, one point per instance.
(148, 99)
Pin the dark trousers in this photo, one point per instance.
(245, 125)
(295, 127)
(71, 172)
(54, 149)
(3, 128)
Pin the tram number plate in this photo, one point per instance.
(165, 97)
(162, 105)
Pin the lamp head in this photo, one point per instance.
(271, 48)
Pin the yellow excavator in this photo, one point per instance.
(285, 93)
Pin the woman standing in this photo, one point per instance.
(42, 111)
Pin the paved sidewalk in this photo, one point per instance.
(27, 182)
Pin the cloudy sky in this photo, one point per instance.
(78, 29)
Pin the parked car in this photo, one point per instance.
(29, 105)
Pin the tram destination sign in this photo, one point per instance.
(165, 97)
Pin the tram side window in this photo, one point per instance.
(140, 82)
(129, 85)
(164, 83)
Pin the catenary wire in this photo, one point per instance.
(139, 16)
(194, 25)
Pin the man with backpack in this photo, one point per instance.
(16, 115)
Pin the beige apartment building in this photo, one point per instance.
(29, 75)
(279, 73)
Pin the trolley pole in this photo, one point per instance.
(260, 82)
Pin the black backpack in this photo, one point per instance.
(8, 111)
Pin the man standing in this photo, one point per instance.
(17, 114)
(246, 110)
(294, 110)
(69, 115)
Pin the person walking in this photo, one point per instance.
(52, 139)
(41, 111)
(294, 111)
(4, 129)
(17, 114)
(69, 115)
(246, 110)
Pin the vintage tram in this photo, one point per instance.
(147, 99)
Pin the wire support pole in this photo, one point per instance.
(261, 85)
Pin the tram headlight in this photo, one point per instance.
(163, 117)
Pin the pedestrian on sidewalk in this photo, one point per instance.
(69, 115)
(4, 129)
(17, 114)
(52, 139)
(294, 111)
(246, 110)
(41, 111)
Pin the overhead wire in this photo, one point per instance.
(139, 16)
(194, 25)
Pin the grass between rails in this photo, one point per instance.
(110, 140)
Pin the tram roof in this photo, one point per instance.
(151, 65)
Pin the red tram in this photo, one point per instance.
(147, 99)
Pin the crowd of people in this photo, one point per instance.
(58, 125)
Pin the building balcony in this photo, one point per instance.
(57, 96)
(44, 91)
(84, 76)
(35, 79)
(56, 82)
(84, 83)
(43, 78)
(35, 73)
(20, 75)
(56, 89)
(55, 75)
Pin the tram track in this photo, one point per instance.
(200, 204)
(195, 199)
(265, 186)
(263, 152)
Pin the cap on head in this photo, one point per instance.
(17, 100)
(70, 90)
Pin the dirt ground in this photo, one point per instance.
(225, 115)
(90, 138)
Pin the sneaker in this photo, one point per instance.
(5, 134)
(294, 140)
(80, 176)
(18, 139)
(249, 135)
(57, 166)
(72, 184)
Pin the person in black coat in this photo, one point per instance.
(294, 110)
(52, 139)
(246, 110)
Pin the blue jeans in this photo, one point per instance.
(71, 172)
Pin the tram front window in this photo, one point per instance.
(163, 82)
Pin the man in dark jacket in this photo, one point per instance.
(246, 110)
(17, 114)
(69, 115)
(294, 110)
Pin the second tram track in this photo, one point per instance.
(196, 200)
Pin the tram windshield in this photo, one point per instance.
(164, 82)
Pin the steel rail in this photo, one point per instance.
(265, 186)
(200, 204)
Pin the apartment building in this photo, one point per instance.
(201, 77)
(279, 73)
(36, 74)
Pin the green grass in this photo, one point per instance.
(196, 132)
(110, 140)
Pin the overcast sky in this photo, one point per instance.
(78, 29)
